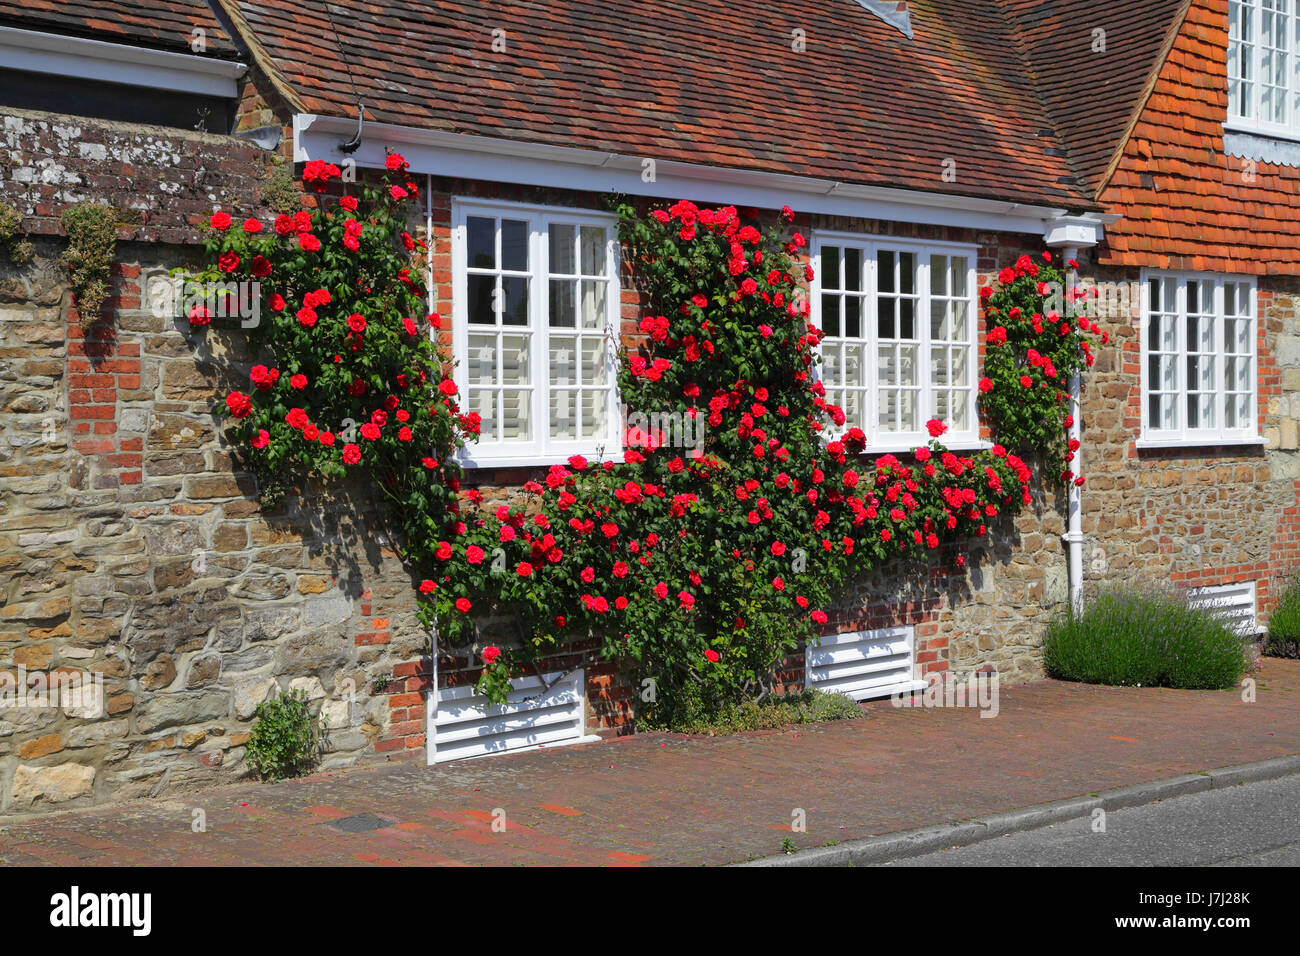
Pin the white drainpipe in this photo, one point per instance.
(1074, 533)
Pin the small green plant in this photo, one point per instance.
(286, 740)
(693, 714)
(380, 683)
(92, 238)
(787, 846)
(281, 193)
(1139, 637)
(1284, 624)
(17, 250)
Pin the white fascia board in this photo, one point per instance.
(498, 160)
(78, 58)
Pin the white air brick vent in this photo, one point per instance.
(464, 724)
(1233, 603)
(863, 664)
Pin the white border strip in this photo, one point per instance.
(83, 59)
(498, 160)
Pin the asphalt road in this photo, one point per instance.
(1255, 824)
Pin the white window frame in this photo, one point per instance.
(879, 442)
(1182, 436)
(1252, 46)
(540, 449)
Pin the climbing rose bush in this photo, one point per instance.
(705, 565)
(739, 508)
(348, 380)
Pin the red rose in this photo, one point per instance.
(490, 654)
(327, 439)
(228, 261)
(276, 302)
(351, 454)
(524, 569)
(284, 225)
(199, 315)
(239, 404)
(263, 438)
(447, 387)
(252, 226)
(220, 221)
(986, 385)
(308, 243)
(261, 267)
(935, 427)
(711, 656)
(427, 586)
(297, 418)
(463, 605)
(357, 322)
(349, 203)
(298, 381)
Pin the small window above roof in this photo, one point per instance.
(893, 12)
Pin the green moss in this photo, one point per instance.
(92, 239)
(12, 246)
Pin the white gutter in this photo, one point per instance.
(490, 159)
(78, 58)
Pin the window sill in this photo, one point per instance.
(1237, 126)
(1253, 441)
(593, 454)
(963, 445)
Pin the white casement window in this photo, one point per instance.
(536, 301)
(1263, 66)
(899, 348)
(1198, 360)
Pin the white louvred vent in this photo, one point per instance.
(1234, 604)
(863, 664)
(464, 724)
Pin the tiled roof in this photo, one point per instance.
(1092, 61)
(157, 24)
(1187, 205)
(716, 82)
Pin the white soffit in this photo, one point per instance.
(83, 59)
(497, 160)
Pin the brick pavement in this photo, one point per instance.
(660, 799)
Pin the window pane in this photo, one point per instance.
(514, 300)
(514, 245)
(563, 310)
(885, 318)
(885, 271)
(563, 360)
(907, 318)
(594, 412)
(481, 294)
(564, 258)
(514, 360)
(564, 414)
(939, 367)
(593, 303)
(484, 402)
(831, 267)
(481, 239)
(852, 317)
(855, 371)
(831, 314)
(480, 367)
(593, 251)
(515, 419)
(594, 366)
(853, 270)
